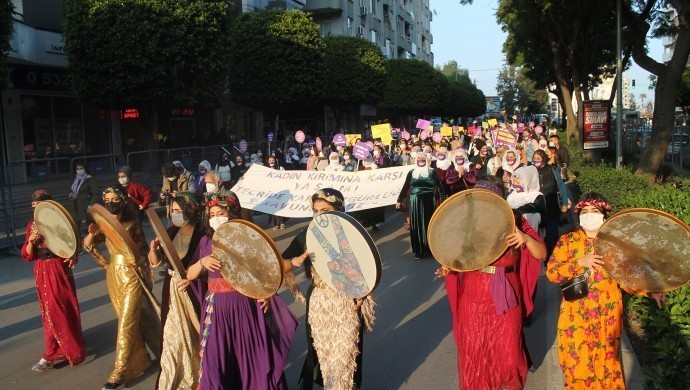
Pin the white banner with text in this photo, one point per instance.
(287, 193)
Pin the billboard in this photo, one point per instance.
(596, 124)
(493, 105)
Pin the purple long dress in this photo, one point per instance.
(241, 347)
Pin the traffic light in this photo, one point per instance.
(633, 83)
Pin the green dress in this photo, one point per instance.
(425, 194)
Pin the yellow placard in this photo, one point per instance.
(461, 128)
(382, 131)
(446, 131)
(485, 125)
(350, 139)
(493, 122)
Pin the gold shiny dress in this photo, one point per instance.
(137, 321)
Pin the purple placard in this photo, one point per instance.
(405, 135)
(531, 123)
(270, 137)
(299, 136)
(505, 137)
(361, 151)
(423, 124)
(339, 140)
(370, 145)
(243, 146)
(437, 137)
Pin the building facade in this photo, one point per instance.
(401, 28)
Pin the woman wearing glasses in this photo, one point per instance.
(335, 323)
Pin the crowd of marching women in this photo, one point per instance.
(230, 340)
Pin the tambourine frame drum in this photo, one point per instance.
(58, 229)
(165, 242)
(250, 260)
(468, 231)
(645, 250)
(114, 231)
(343, 254)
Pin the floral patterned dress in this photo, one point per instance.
(589, 329)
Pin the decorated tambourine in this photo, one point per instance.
(56, 226)
(468, 231)
(343, 254)
(645, 250)
(250, 260)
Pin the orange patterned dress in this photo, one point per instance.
(589, 329)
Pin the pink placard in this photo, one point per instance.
(422, 135)
(538, 130)
(319, 144)
(405, 135)
(423, 124)
(437, 137)
(299, 136)
(370, 145)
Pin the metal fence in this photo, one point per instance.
(636, 134)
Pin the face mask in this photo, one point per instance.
(376, 153)
(441, 157)
(178, 220)
(511, 161)
(321, 154)
(413, 154)
(421, 163)
(123, 180)
(346, 156)
(316, 214)
(306, 155)
(527, 136)
(239, 162)
(246, 158)
(552, 144)
(260, 154)
(81, 172)
(459, 161)
(215, 222)
(211, 188)
(202, 170)
(171, 178)
(271, 164)
(114, 207)
(517, 188)
(591, 221)
(538, 164)
(483, 152)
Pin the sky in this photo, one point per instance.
(470, 35)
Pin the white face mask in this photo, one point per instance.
(178, 219)
(81, 172)
(123, 180)
(211, 188)
(376, 153)
(413, 154)
(260, 154)
(591, 221)
(346, 157)
(215, 222)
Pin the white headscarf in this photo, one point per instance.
(504, 164)
(422, 171)
(334, 164)
(530, 187)
(369, 163)
(443, 164)
(461, 152)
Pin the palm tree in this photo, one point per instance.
(642, 97)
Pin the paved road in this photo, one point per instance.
(411, 347)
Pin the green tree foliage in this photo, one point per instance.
(414, 87)
(464, 98)
(354, 73)
(684, 89)
(519, 94)
(276, 59)
(151, 53)
(6, 28)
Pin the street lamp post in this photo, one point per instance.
(619, 89)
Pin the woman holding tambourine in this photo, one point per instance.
(335, 323)
(589, 323)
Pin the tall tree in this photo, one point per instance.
(147, 54)
(276, 60)
(464, 98)
(640, 16)
(354, 74)
(519, 94)
(414, 87)
(6, 29)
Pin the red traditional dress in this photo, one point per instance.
(57, 297)
(488, 309)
